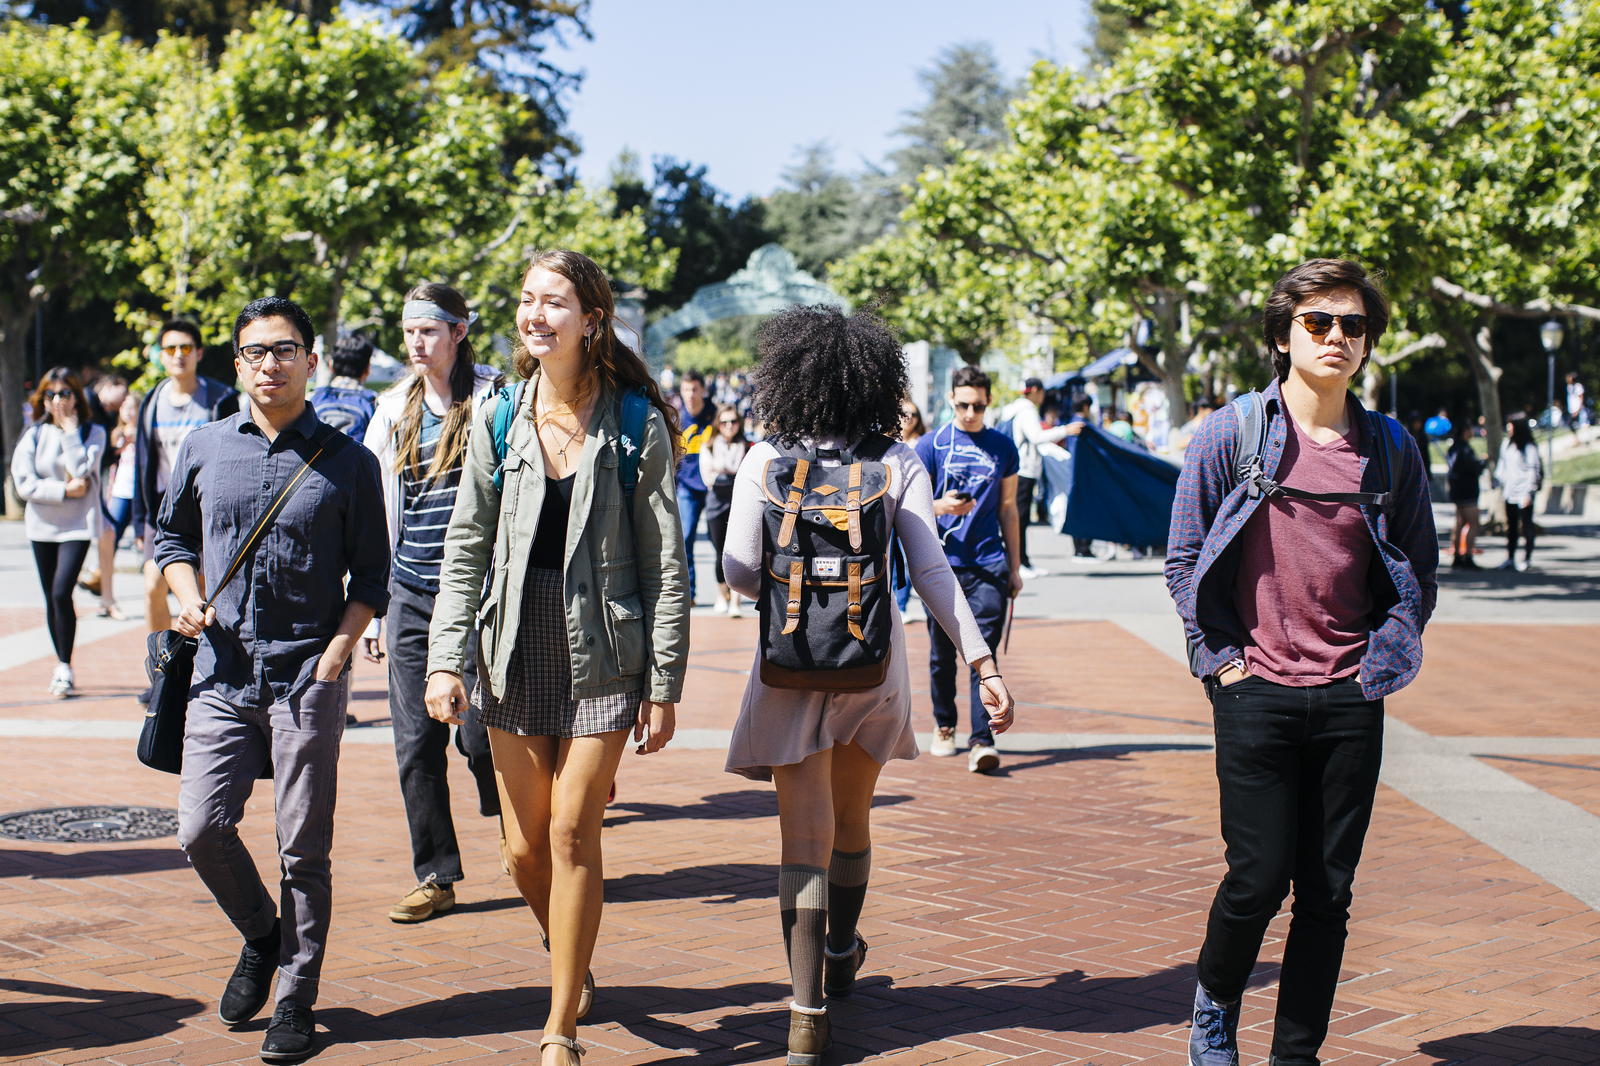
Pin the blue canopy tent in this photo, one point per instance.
(1113, 490)
(1105, 365)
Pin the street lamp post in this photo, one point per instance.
(1550, 335)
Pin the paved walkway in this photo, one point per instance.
(1048, 913)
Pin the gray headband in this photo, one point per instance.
(429, 309)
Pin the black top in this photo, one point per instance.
(549, 549)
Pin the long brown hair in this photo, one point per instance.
(612, 365)
(452, 446)
(59, 375)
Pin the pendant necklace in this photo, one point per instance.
(562, 451)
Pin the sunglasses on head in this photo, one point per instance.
(1318, 323)
(975, 408)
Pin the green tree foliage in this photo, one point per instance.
(820, 214)
(69, 179)
(711, 236)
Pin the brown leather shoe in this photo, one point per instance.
(810, 1037)
(424, 901)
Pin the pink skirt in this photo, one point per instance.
(781, 727)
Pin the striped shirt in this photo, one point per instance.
(425, 513)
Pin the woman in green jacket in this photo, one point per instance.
(585, 626)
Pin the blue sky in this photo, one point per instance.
(737, 86)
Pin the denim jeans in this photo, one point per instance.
(690, 506)
(225, 748)
(422, 745)
(986, 595)
(1296, 770)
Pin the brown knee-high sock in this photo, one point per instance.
(802, 904)
(847, 891)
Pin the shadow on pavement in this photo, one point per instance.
(716, 883)
(1018, 761)
(15, 862)
(1513, 1045)
(745, 803)
(55, 1017)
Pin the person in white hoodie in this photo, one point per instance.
(1520, 474)
(419, 433)
(719, 462)
(56, 469)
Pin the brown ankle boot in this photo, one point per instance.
(810, 1037)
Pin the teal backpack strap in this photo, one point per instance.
(507, 404)
(635, 413)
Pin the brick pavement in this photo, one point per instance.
(1049, 913)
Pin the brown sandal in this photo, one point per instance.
(570, 1043)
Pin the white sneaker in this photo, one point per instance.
(62, 681)
(1506, 565)
(721, 607)
(944, 742)
(1524, 564)
(1087, 560)
(1030, 572)
(982, 758)
(734, 610)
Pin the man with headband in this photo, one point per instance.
(419, 434)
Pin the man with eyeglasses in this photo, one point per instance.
(273, 666)
(1304, 582)
(974, 473)
(176, 407)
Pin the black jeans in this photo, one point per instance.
(1024, 514)
(1296, 770)
(717, 530)
(1519, 518)
(421, 745)
(58, 564)
(986, 595)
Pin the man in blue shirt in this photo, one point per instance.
(974, 473)
(273, 666)
(345, 403)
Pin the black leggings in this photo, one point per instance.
(58, 571)
(717, 530)
(1519, 517)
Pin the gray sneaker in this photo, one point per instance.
(1214, 1036)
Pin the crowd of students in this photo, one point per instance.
(517, 551)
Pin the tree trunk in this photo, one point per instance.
(1487, 375)
(15, 316)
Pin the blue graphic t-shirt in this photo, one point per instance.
(963, 462)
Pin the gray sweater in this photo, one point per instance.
(45, 460)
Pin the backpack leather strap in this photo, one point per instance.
(796, 571)
(791, 513)
(853, 512)
(855, 601)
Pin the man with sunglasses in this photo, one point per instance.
(272, 672)
(1304, 585)
(176, 407)
(974, 473)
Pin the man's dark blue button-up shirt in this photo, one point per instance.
(277, 615)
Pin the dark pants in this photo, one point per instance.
(59, 564)
(421, 745)
(691, 504)
(717, 530)
(1296, 771)
(1519, 518)
(986, 595)
(1024, 514)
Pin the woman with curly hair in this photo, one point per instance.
(830, 381)
(585, 625)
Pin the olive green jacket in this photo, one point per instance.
(627, 580)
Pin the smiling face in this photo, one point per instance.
(275, 386)
(729, 424)
(550, 320)
(431, 344)
(1332, 357)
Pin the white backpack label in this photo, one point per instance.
(823, 566)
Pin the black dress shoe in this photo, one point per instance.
(290, 1037)
(249, 988)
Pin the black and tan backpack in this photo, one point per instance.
(825, 596)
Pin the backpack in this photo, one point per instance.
(635, 412)
(825, 614)
(1252, 441)
(347, 410)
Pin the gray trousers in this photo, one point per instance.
(225, 749)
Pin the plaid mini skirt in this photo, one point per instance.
(538, 698)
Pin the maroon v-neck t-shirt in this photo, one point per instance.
(1302, 589)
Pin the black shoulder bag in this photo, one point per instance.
(169, 658)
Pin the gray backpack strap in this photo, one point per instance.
(1251, 440)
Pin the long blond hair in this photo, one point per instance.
(452, 446)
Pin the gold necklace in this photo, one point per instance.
(577, 428)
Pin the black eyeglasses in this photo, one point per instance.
(975, 408)
(285, 352)
(1318, 323)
